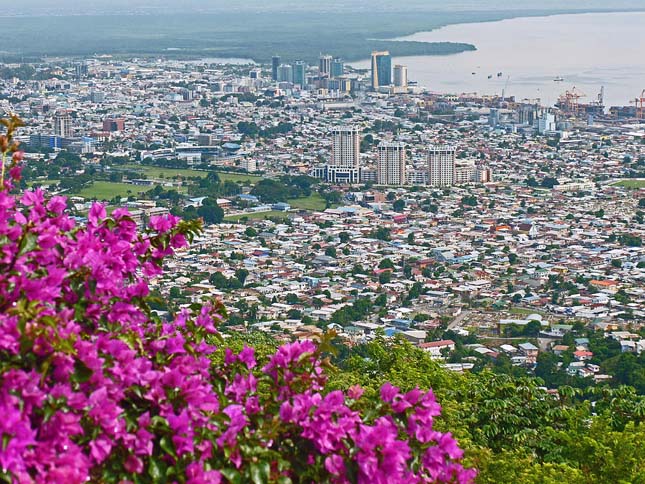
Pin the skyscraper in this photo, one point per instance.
(400, 76)
(63, 124)
(300, 73)
(391, 164)
(80, 70)
(337, 67)
(381, 69)
(275, 63)
(324, 65)
(285, 73)
(344, 164)
(441, 165)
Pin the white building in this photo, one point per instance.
(400, 76)
(464, 173)
(344, 164)
(391, 164)
(63, 124)
(441, 165)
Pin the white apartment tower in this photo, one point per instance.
(62, 124)
(391, 164)
(441, 165)
(344, 165)
(400, 76)
(324, 65)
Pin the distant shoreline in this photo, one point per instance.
(245, 35)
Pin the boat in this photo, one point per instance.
(474, 73)
(490, 76)
(558, 79)
(499, 74)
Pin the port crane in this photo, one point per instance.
(639, 104)
(569, 101)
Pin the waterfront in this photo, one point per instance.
(587, 50)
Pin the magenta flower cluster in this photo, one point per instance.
(95, 387)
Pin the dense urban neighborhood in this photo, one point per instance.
(487, 231)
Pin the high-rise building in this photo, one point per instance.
(300, 73)
(391, 164)
(275, 63)
(441, 165)
(80, 70)
(324, 65)
(337, 67)
(493, 118)
(400, 76)
(255, 73)
(344, 164)
(63, 124)
(285, 73)
(113, 124)
(546, 122)
(381, 69)
(97, 97)
(527, 113)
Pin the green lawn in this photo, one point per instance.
(103, 190)
(313, 202)
(630, 183)
(238, 177)
(159, 172)
(257, 216)
(41, 183)
(525, 311)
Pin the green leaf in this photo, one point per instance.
(157, 470)
(81, 372)
(166, 445)
(260, 472)
(28, 243)
(232, 475)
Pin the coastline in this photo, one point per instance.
(249, 36)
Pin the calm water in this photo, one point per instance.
(587, 50)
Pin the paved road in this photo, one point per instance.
(458, 320)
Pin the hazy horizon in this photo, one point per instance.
(256, 29)
(90, 7)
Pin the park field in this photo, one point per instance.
(104, 190)
(313, 202)
(636, 183)
(158, 172)
(167, 173)
(525, 311)
(257, 216)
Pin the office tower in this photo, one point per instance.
(97, 97)
(441, 165)
(381, 69)
(113, 124)
(285, 73)
(255, 73)
(63, 124)
(275, 63)
(527, 114)
(300, 73)
(344, 165)
(391, 164)
(483, 174)
(324, 65)
(80, 70)
(400, 76)
(546, 122)
(493, 117)
(337, 67)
